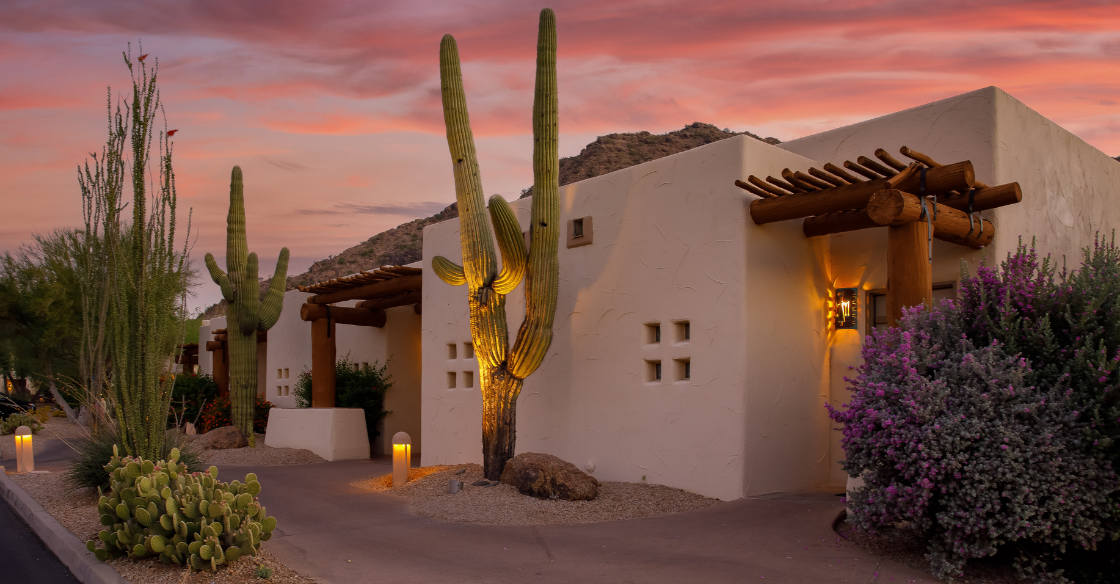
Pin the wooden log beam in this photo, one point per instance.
(223, 336)
(909, 272)
(875, 166)
(753, 189)
(214, 345)
(894, 207)
(789, 175)
(984, 199)
(754, 180)
(840, 172)
(926, 160)
(891, 161)
(343, 315)
(839, 222)
(781, 184)
(828, 178)
(957, 176)
(323, 356)
(375, 289)
(413, 297)
(220, 367)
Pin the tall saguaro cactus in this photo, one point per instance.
(502, 371)
(247, 313)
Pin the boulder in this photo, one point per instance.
(548, 477)
(224, 437)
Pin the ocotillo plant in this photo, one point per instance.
(502, 371)
(247, 313)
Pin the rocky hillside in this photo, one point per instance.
(403, 244)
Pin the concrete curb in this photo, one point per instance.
(69, 549)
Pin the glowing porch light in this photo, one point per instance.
(25, 456)
(846, 311)
(402, 458)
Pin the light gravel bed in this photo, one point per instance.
(76, 510)
(503, 505)
(260, 456)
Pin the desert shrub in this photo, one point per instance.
(355, 387)
(217, 414)
(990, 424)
(14, 421)
(96, 450)
(161, 509)
(189, 396)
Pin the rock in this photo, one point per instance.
(190, 430)
(482, 483)
(454, 486)
(225, 437)
(548, 477)
(460, 471)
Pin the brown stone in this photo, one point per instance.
(225, 437)
(548, 477)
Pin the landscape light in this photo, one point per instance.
(25, 456)
(402, 458)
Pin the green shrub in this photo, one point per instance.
(16, 420)
(217, 414)
(95, 451)
(264, 572)
(355, 387)
(189, 396)
(161, 509)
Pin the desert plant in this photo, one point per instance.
(96, 450)
(246, 314)
(263, 572)
(355, 387)
(218, 413)
(502, 370)
(161, 509)
(189, 396)
(14, 421)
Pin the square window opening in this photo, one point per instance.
(653, 333)
(581, 232)
(279, 391)
(577, 228)
(451, 351)
(683, 330)
(653, 371)
(682, 369)
(468, 379)
(450, 380)
(365, 366)
(286, 390)
(278, 373)
(468, 350)
(285, 373)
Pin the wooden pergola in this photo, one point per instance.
(188, 357)
(917, 202)
(377, 290)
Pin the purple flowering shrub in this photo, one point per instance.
(990, 424)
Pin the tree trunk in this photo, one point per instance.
(499, 419)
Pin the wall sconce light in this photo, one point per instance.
(25, 456)
(846, 311)
(402, 458)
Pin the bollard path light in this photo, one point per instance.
(25, 456)
(402, 458)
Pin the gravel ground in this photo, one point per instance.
(503, 505)
(260, 456)
(76, 509)
(55, 428)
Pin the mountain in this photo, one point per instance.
(404, 244)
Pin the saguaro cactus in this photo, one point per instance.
(501, 370)
(247, 313)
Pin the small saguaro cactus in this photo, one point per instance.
(502, 370)
(247, 313)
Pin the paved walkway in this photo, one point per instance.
(24, 557)
(340, 534)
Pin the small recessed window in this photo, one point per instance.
(682, 369)
(577, 228)
(286, 390)
(365, 366)
(285, 373)
(653, 333)
(450, 380)
(451, 351)
(683, 330)
(279, 373)
(468, 379)
(468, 350)
(653, 371)
(580, 231)
(279, 390)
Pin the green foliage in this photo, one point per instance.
(264, 572)
(191, 326)
(163, 510)
(14, 421)
(96, 450)
(247, 313)
(355, 387)
(190, 394)
(218, 414)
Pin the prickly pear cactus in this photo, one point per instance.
(190, 519)
(247, 313)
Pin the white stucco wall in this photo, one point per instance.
(671, 243)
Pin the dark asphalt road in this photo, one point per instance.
(25, 558)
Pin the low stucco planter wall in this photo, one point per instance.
(333, 433)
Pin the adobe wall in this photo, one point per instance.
(669, 245)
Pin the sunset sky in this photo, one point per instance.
(332, 107)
